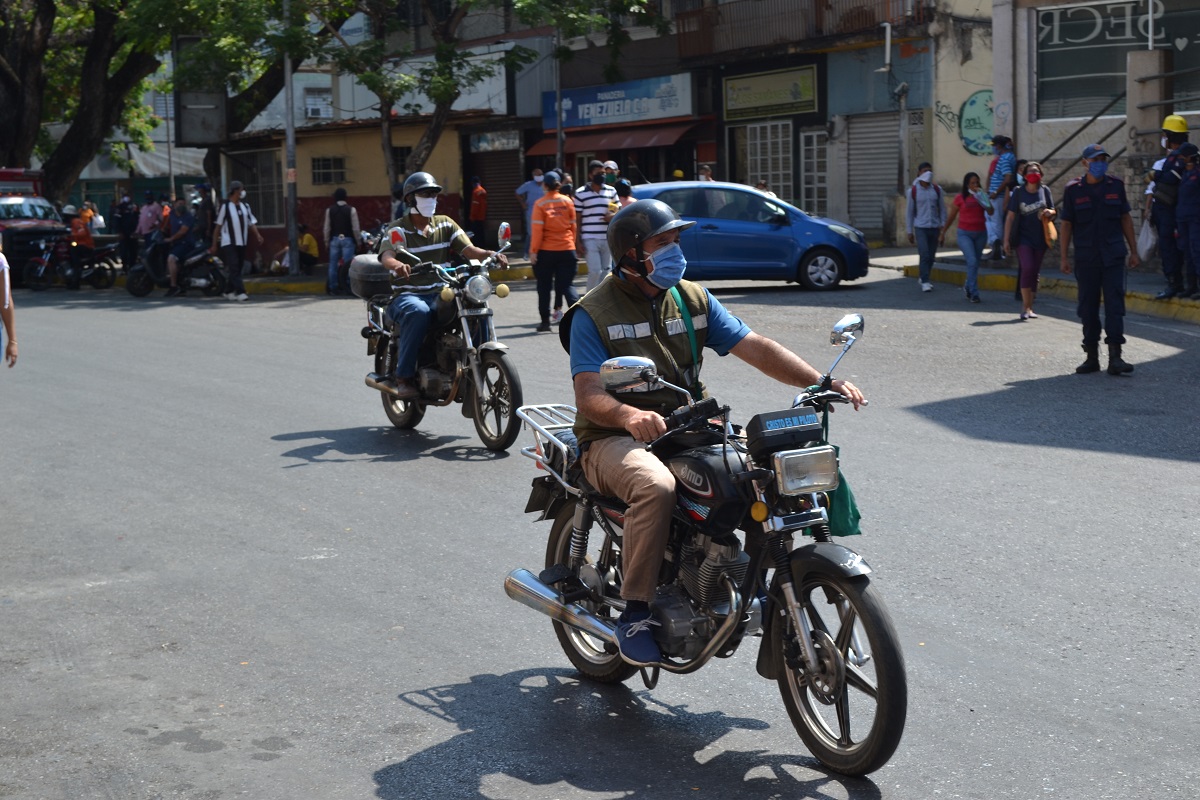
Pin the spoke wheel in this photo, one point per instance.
(497, 400)
(849, 710)
(600, 573)
(820, 270)
(36, 275)
(102, 276)
(139, 283)
(404, 414)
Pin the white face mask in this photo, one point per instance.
(426, 206)
(1164, 141)
(538, 178)
(242, 194)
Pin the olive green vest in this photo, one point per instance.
(632, 324)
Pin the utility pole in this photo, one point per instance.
(558, 109)
(293, 266)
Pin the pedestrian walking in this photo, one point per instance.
(1025, 232)
(341, 239)
(1002, 177)
(529, 193)
(477, 216)
(1095, 218)
(7, 317)
(231, 233)
(926, 214)
(594, 206)
(970, 210)
(552, 251)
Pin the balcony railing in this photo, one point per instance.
(743, 24)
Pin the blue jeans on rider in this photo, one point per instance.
(972, 243)
(412, 315)
(340, 248)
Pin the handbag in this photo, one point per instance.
(1050, 231)
(1147, 240)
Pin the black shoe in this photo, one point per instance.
(1165, 294)
(544, 327)
(174, 291)
(1116, 364)
(1092, 362)
(975, 299)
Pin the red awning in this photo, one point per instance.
(623, 139)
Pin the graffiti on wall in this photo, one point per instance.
(976, 119)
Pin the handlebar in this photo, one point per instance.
(689, 417)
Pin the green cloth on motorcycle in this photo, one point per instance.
(843, 509)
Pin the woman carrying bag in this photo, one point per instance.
(1030, 208)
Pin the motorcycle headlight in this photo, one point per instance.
(813, 469)
(478, 289)
(849, 233)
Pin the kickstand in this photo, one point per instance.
(650, 676)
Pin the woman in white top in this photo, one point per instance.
(6, 313)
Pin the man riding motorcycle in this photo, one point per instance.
(636, 311)
(430, 237)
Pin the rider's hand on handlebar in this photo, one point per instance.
(645, 426)
(394, 265)
(502, 259)
(850, 392)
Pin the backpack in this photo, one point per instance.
(935, 186)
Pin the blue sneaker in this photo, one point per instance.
(635, 639)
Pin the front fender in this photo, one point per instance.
(497, 346)
(826, 557)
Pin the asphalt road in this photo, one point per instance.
(225, 575)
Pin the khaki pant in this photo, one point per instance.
(621, 467)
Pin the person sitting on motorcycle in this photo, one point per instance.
(634, 312)
(182, 241)
(430, 237)
(82, 243)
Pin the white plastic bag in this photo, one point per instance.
(1146, 241)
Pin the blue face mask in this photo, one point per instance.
(1097, 169)
(669, 265)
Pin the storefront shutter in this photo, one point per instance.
(874, 162)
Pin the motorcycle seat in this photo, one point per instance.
(567, 437)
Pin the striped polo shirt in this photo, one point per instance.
(591, 206)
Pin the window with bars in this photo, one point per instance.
(814, 173)
(318, 103)
(765, 154)
(328, 170)
(261, 172)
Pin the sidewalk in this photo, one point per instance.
(950, 269)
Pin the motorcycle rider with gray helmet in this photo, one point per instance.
(430, 237)
(638, 311)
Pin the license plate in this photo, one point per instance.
(477, 312)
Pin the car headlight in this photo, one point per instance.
(478, 289)
(813, 469)
(849, 233)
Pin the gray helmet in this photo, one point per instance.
(637, 222)
(418, 181)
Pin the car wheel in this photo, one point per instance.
(821, 269)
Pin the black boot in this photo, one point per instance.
(1193, 287)
(1092, 362)
(1116, 365)
(1174, 288)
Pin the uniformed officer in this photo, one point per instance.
(1095, 214)
(1162, 211)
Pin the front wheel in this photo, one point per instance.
(600, 572)
(404, 414)
(139, 283)
(850, 709)
(497, 400)
(37, 275)
(821, 269)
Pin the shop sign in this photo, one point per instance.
(664, 97)
(768, 94)
(495, 140)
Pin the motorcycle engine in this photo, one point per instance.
(448, 351)
(690, 611)
(435, 383)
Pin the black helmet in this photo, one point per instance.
(637, 222)
(418, 181)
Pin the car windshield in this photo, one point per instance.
(27, 208)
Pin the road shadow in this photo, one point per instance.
(546, 728)
(379, 443)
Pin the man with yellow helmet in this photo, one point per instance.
(1167, 174)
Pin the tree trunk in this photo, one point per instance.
(385, 141)
(429, 138)
(25, 29)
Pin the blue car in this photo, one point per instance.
(744, 234)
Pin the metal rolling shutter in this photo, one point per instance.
(500, 174)
(874, 161)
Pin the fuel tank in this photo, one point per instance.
(705, 492)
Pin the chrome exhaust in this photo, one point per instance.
(524, 587)
(375, 381)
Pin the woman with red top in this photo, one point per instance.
(552, 246)
(972, 230)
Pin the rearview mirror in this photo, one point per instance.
(845, 329)
(505, 233)
(628, 373)
(397, 240)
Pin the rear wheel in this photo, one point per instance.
(216, 282)
(37, 276)
(404, 414)
(102, 276)
(600, 572)
(821, 269)
(849, 710)
(139, 283)
(497, 401)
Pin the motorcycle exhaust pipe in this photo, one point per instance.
(375, 381)
(524, 587)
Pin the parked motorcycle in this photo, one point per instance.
(199, 269)
(460, 360)
(827, 638)
(54, 262)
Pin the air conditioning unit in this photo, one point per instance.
(315, 112)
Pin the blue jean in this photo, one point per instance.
(340, 248)
(412, 315)
(927, 241)
(972, 243)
